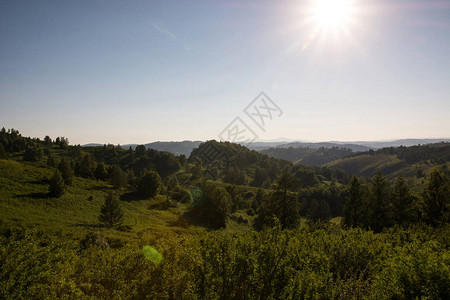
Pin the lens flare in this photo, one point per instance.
(152, 254)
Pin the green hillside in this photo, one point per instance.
(24, 201)
(415, 161)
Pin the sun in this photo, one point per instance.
(332, 14)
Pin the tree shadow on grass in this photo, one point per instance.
(34, 196)
(100, 188)
(191, 218)
(42, 181)
(131, 196)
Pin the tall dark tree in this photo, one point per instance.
(63, 142)
(57, 187)
(140, 150)
(281, 204)
(111, 214)
(436, 199)
(47, 141)
(101, 172)
(401, 201)
(2, 151)
(354, 206)
(149, 183)
(379, 216)
(319, 210)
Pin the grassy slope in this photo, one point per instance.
(24, 202)
(390, 165)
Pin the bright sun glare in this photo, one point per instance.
(332, 14)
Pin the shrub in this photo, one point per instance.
(57, 187)
(149, 183)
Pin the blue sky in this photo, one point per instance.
(142, 71)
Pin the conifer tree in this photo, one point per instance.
(401, 200)
(379, 203)
(111, 214)
(101, 172)
(353, 209)
(436, 199)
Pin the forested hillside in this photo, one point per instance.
(107, 222)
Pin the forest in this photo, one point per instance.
(224, 222)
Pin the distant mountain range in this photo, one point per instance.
(186, 147)
(177, 148)
(353, 147)
(397, 143)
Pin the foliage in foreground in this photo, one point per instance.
(272, 264)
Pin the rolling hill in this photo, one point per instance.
(408, 161)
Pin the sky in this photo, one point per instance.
(143, 71)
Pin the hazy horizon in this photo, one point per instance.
(268, 141)
(141, 71)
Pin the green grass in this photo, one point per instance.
(366, 165)
(24, 201)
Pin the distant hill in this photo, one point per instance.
(394, 161)
(357, 146)
(309, 156)
(176, 148)
(397, 143)
(186, 147)
(353, 147)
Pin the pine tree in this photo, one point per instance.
(436, 199)
(379, 203)
(281, 204)
(100, 172)
(401, 200)
(57, 187)
(47, 141)
(353, 209)
(111, 214)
